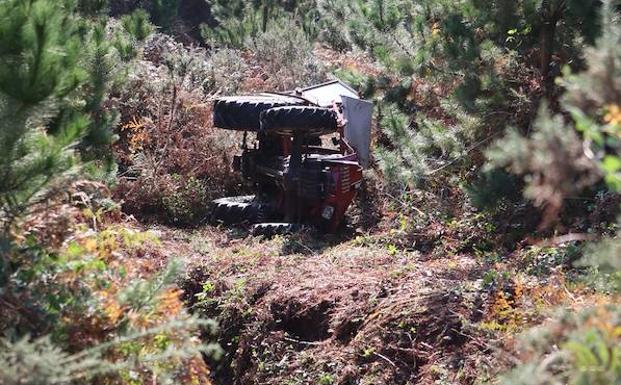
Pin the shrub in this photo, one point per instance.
(578, 349)
(238, 21)
(583, 347)
(278, 36)
(286, 56)
(137, 24)
(173, 160)
(78, 303)
(47, 68)
(188, 204)
(597, 114)
(76, 287)
(229, 71)
(553, 160)
(414, 150)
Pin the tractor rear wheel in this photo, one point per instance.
(242, 113)
(234, 210)
(305, 120)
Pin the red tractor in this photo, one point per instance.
(297, 180)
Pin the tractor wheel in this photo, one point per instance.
(233, 210)
(242, 112)
(271, 229)
(307, 120)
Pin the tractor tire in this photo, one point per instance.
(269, 230)
(242, 113)
(234, 210)
(305, 120)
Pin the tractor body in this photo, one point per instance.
(304, 160)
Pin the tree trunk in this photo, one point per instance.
(551, 14)
(548, 35)
(266, 15)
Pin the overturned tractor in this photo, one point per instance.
(303, 159)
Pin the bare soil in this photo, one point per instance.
(305, 310)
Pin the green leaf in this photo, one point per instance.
(611, 163)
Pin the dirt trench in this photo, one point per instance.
(342, 314)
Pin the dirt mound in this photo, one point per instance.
(343, 315)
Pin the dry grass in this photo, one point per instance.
(173, 160)
(305, 310)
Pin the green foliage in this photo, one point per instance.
(56, 74)
(448, 78)
(492, 188)
(588, 342)
(129, 38)
(236, 23)
(393, 31)
(188, 204)
(594, 101)
(42, 362)
(415, 150)
(541, 261)
(406, 164)
(604, 261)
(241, 21)
(364, 84)
(588, 351)
(552, 159)
(63, 287)
(39, 51)
(431, 36)
(40, 74)
(485, 59)
(454, 73)
(606, 255)
(100, 61)
(70, 295)
(228, 71)
(326, 379)
(137, 24)
(286, 55)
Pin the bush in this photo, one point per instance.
(188, 204)
(53, 79)
(229, 71)
(582, 348)
(286, 56)
(578, 349)
(413, 152)
(79, 303)
(76, 287)
(553, 160)
(137, 24)
(238, 21)
(173, 160)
